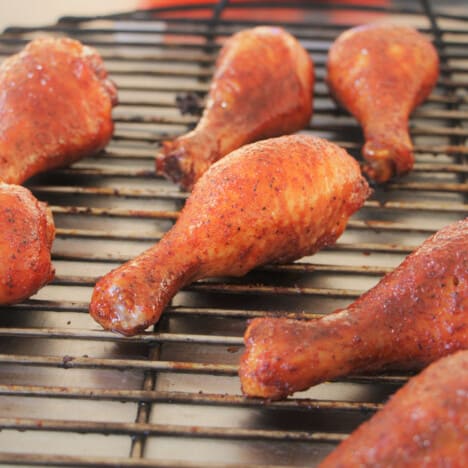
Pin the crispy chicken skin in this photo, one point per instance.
(414, 315)
(424, 424)
(270, 201)
(26, 235)
(55, 107)
(380, 73)
(262, 87)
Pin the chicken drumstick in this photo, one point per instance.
(270, 201)
(414, 315)
(380, 73)
(424, 424)
(262, 87)
(55, 107)
(26, 235)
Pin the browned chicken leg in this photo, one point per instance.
(424, 424)
(55, 107)
(414, 315)
(26, 235)
(262, 87)
(380, 73)
(270, 201)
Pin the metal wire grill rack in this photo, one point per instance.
(75, 395)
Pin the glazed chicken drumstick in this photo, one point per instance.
(26, 235)
(380, 73)
(262, 87)
(414, 315)
(424, 424)
(55, 107)
(271, 201)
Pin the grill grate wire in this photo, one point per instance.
(151, 394)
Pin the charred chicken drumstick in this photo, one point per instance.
(414, 315)
(26, 235)
(55, 107)
(271, 201)
(424, 424)
(380, 73)
(262, 87)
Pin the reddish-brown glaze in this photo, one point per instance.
(55, 107)
(425, 424)
(380, 73)
(414, 315)
(26, 235)
(262, 87)
(270, 201)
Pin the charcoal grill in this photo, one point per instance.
(75, 395)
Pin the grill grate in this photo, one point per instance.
(170, 397)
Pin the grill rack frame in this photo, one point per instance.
(212, 27)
